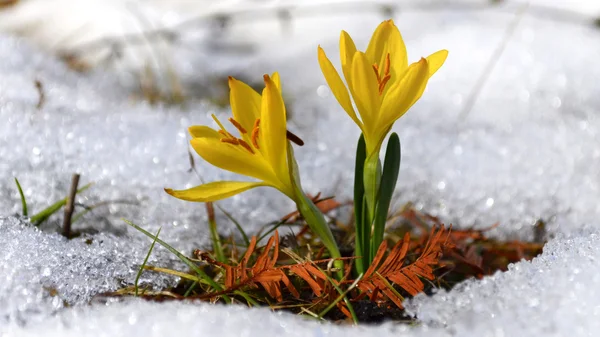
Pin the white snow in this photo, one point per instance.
(528, 149)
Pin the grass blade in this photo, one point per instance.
(23, 201)
(175, 273)
(342, 296)
(189, 290)
(88, 209)
(42, 216)
(271, 230)
(391, 169)
(139, 274)
(389, 286)
(237, 225)
(251, 302)
(214, 234)
(182, 257)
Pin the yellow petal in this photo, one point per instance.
(233, 158)
(387, 39)
(245, 103)
(404, 95)
(202, 131)
(365, 90)
(273, 128)
(337, 86)
(436, 60)
(276, 80)
(347, 51)
(213, 191)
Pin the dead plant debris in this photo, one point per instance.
(292, 272)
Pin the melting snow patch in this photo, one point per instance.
(41, 273)
(527, 150)
(555, 294)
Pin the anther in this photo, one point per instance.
(293, 138)
(225, 134)
(254, 136)
(245, 145)
(383, 83)
(386, 69)
(376, 69)
(233, 141)
(237, 125)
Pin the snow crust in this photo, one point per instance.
(526, 150)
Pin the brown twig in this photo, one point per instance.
(41, 95)
(8, 3)
(70, 206)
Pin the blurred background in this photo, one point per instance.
(507, 130)
(176, 50)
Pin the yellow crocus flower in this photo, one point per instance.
(259, 152)
(381, 83)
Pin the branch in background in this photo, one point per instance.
(41, 95)
(489, 68)
(7, 3)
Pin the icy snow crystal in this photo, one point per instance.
(527, 150)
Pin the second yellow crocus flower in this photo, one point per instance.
(381, 83)
(260, 150)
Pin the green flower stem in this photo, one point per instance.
(389, 177)
(371, 179)
(316, 221)
(313, 216)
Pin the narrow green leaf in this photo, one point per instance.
(214, 235)
(189, 290)
(23, 201)
(182, 257)
(42, 216)
(247, 297)
(139, 274)
(271, 230)
(88, 209)
(359, 193)
(342, 296)
(366, 238)
(389, 286)
(183, 275)
(237, 225)
(391, 169)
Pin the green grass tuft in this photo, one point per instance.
(23, 201)
(139, 274)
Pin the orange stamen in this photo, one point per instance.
(233, 141)
(245, 146)
(386, 69)
(237, 125)
(255, 137)
(386, 74)
(376, 68)
(383, 83)
(225, 134)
